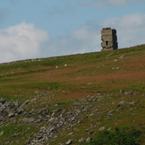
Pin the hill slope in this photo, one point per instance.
(70, 99)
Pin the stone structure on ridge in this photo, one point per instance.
(109, 39)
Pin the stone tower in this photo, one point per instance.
(109, 39)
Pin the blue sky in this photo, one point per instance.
(41, 28)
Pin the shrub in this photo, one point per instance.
(117, 137)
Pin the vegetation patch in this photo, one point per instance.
(15, 134)
(119, 136)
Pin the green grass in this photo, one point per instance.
(117, 137)
(49, 83)
(16, 134)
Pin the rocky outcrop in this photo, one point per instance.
(9, 109)
(62, 118)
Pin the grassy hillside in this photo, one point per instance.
(110, 86)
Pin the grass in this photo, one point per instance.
(16, 134)
(53, 84)
(117, 137)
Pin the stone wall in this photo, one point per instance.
(109, 39)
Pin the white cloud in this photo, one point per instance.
(131, 29)
(21, 41)
(26, 41)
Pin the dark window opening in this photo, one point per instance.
(107, 43)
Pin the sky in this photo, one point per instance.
(44, 28)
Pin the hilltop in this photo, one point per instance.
(71, 99)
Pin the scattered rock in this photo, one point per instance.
(11, 114)
(69, 142)
(110, 114)
(88, 140)
(121, 103)
(65, 65)
(81, 140)
(62, 118)
(115, 68)
(132, 103)
(102, 128)
(9, 109)
(115, 60)
(71, 133)
(121, 57)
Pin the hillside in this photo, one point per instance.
(71, 99)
